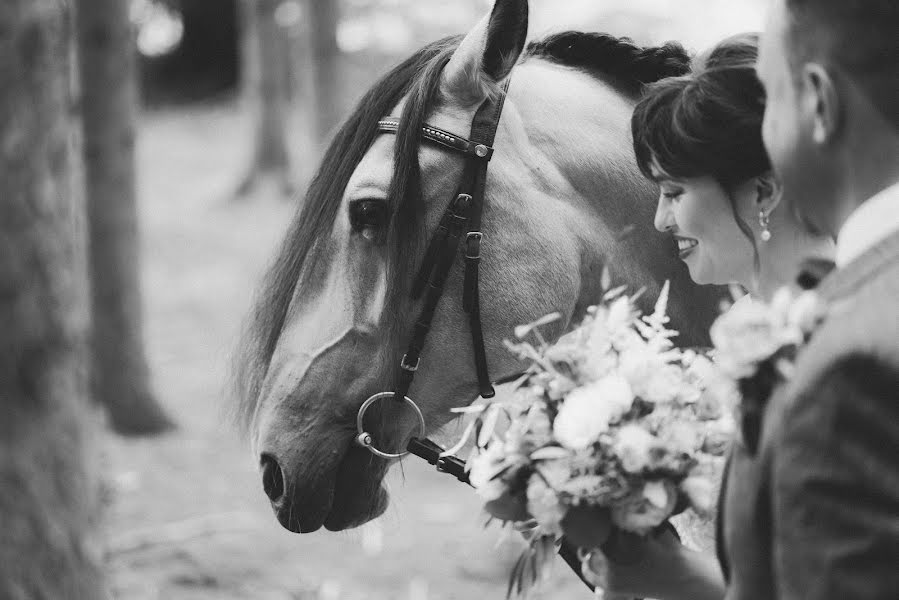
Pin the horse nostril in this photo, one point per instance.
(272, 478)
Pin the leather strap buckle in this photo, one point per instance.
(473, 245)
(406, 366)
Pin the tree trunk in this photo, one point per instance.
(266, 58)
(49, 506)
(119, 375)
(324, 16)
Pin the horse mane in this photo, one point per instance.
(418, 77)
(603, 55)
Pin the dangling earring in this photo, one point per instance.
(763, 223)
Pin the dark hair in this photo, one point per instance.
(707, 123)
(858, 35)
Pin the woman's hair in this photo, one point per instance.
(708, 122)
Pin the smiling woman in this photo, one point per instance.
(699, 136)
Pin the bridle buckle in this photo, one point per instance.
(406, 366)
(473, 244)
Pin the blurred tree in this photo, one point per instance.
(267, 85)
(49, 490)
(324, 16)
(119, 374)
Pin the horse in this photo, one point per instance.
(564, 202)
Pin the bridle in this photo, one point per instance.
(462, 216)
(461, 220)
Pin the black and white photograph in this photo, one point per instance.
(449, 300)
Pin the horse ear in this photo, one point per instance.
(488, 53)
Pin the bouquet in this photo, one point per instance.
(611, 420)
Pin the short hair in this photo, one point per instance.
(707, 123)
(860, 36)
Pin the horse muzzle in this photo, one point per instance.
(345, 496)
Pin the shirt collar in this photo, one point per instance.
(871, 222)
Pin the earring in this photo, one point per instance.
(763, 223)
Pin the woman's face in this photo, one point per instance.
(697, 211)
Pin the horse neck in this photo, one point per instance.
(571, 131)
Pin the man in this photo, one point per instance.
(813, 512)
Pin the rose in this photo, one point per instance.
(744, 336)
(633, 447)
(587, 411)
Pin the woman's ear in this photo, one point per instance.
(488, 53)
(768, 193)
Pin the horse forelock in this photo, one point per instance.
(417, 79)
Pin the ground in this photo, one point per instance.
(187, 517)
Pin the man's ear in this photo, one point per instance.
(823, 102)
(488, 53)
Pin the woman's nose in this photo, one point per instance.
(664, 219)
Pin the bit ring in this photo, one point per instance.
(364, 439)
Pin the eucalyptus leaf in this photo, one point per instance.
(550, 453)
(461, 443)
(489, 425)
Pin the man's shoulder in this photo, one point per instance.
(856, 347)
(863, 323)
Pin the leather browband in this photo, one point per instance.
(442, 137)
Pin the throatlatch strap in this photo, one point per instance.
(483, 131)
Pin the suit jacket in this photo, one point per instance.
(814, 513)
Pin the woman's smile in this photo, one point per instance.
(685, 246)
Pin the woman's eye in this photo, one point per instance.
(368, 217)
(671, 195)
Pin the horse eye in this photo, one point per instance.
(368, 217)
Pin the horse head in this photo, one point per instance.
(563, 201)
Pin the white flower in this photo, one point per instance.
(651, 376)
(616, 391)
(744, 336)
(656, 493)
(805, 311)
(683, 437)
(701, 493)
(620, 315)
(587, 411)
(593, 366)
(633, 447)
(559, 387)
(484, 470)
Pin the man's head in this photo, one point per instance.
(831, 74)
